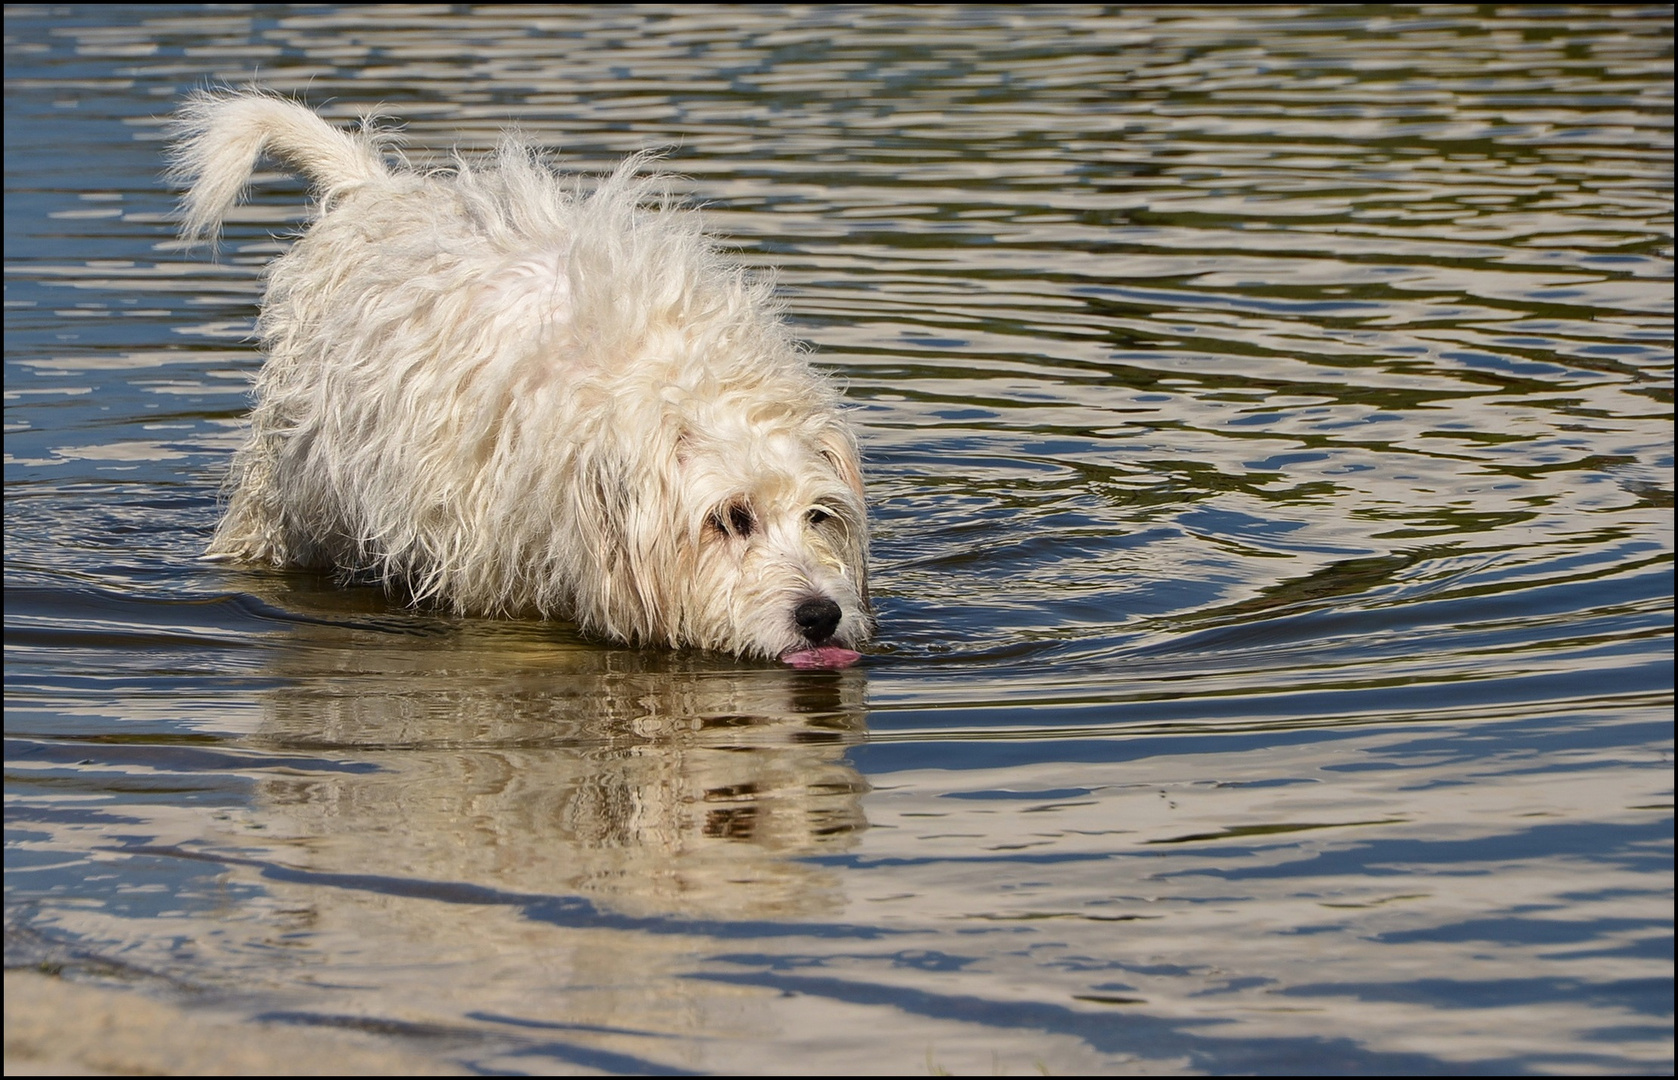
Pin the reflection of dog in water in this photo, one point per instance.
(487, 388)
(651, 783)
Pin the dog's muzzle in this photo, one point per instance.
(817, 619)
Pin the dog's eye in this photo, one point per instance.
(735, 519)
(816, 517)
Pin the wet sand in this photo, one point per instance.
(59, 1028)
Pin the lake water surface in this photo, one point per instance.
(1268, 419)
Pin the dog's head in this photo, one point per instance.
(732, 530)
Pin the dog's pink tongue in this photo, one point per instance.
(822, 656)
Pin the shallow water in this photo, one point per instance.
(1268, 415)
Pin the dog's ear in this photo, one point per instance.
(602, 508)
(838, 446)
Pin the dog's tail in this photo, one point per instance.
(218, 137)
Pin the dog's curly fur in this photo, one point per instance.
(492, 388)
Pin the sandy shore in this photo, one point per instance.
(60, 1028)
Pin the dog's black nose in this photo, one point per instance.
(817, 619)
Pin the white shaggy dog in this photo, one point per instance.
(494, 389)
